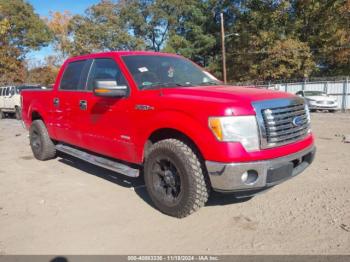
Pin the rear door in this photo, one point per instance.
(68, 103)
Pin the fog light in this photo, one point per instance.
(249, 177)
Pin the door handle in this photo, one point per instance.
(56, 102)
(83, 104)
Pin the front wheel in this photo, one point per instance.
(42, 146)
(174, 178)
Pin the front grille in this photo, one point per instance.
(325, 102)
(282, 121)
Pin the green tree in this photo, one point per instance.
(150, 20)
(59, 26)
(101, 29)
(21, 30)
(259, 27)
(11, 68)
(324, 25)
(287, 59)
(190, 35)
(27, 31)
(44, 75)
(278, 39)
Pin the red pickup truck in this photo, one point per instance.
(163, 116)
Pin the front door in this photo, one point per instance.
(107, 126)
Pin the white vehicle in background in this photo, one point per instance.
(318, 100)
(10, 99)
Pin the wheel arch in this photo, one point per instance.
(167, 133)
(35, 115)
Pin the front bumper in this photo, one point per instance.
(323, 107)
(227, 177)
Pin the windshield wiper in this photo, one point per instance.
(164, 84)
(213, 83)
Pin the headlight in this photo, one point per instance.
(311, 101)
(243, 129)
(307, 111)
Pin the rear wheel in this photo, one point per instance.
(42, 146)
(174, 178)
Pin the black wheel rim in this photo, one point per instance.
(166, 181)
(36, 141)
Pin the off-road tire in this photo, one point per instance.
(18, 114)
(42, 146)
(194, 186)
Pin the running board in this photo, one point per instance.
(99, 161)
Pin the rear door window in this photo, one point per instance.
(72, 78)
(7, 91)
(0, 91)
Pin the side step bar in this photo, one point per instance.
(99, 161)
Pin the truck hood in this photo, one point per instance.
(218, 100)
(242, 94)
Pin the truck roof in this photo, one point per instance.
(119, 53)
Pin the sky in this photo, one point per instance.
(43, 8)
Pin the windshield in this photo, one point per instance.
(314, 93)
(150, 71)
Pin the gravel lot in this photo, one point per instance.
(66, 206)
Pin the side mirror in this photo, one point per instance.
(109, 88)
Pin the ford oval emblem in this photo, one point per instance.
(297, 121)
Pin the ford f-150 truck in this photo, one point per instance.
(163, 116)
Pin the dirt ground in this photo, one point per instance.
(67, 206)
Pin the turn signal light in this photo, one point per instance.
(215, 126)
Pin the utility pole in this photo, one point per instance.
(223, 48)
